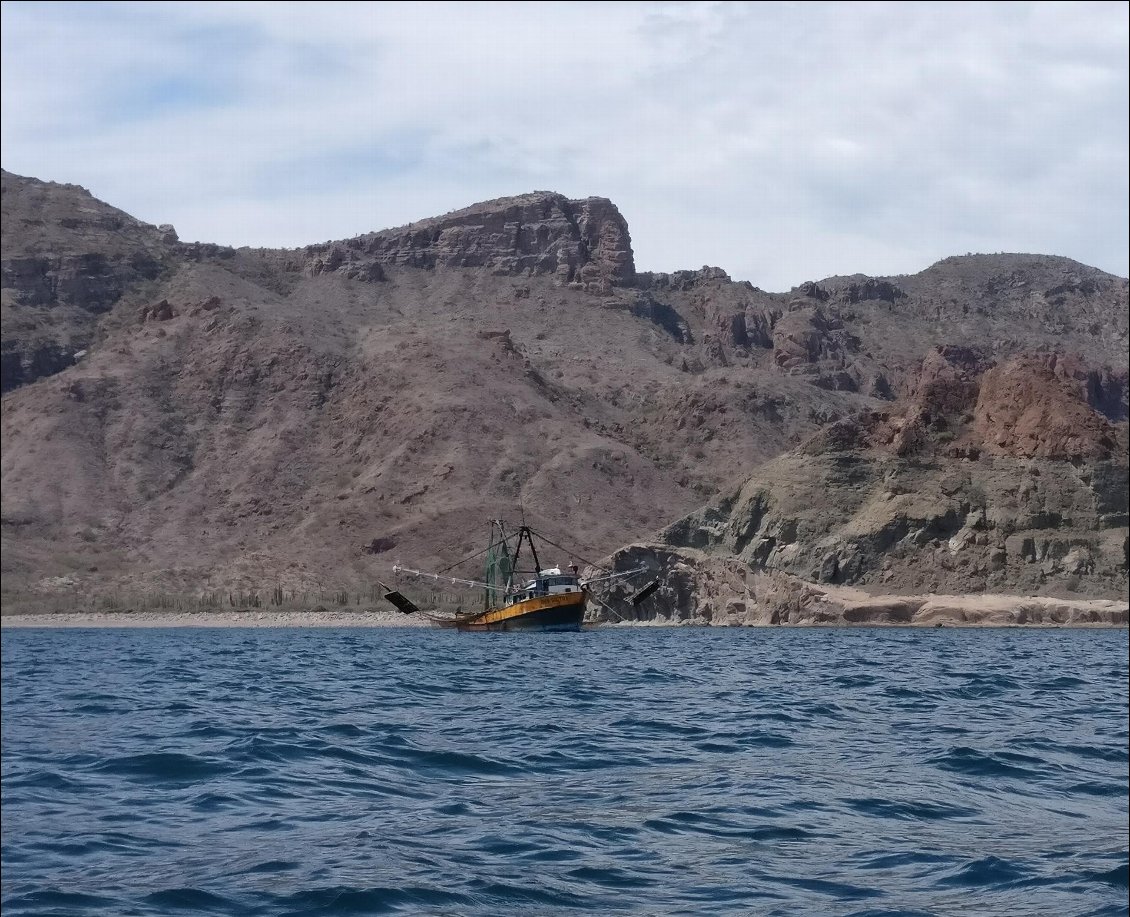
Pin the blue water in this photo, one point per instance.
(865, 772)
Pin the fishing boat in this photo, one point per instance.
(518, 592)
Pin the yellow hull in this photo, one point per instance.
(563, 611)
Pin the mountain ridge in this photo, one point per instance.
(243, 417)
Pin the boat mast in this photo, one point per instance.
(499, 563)
(530, 538)
(524, 535)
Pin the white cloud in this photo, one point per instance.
(781, 141)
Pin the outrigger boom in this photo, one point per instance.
(454, 580)
(544, 598)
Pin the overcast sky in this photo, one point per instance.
(781, 141)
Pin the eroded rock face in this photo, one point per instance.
(583, 242)
(696, 588)
(23, 361)
(947, 380)
(1107, 392)
(806, 335)
(866, 289)
(67, 259)
(91, 281)
(60, 254)
(984, 477)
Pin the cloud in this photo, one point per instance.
(783, 142)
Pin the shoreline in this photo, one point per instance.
(772, 602)
(336, 619)
(224, 619)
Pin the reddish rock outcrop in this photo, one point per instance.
(984, 477)
(1036, 406)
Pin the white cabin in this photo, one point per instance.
(551, 581)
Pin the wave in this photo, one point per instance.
(870, 772)
(911, 809)
(964, 760)
(163, 767)
(1119, 876)
(987, 872)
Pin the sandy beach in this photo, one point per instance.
(822, 606)
(250, 618)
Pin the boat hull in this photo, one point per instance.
(561, 612)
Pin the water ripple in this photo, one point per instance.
(869, 773)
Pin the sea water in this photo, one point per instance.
(683, 771)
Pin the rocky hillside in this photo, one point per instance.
(182, 415)
(1001, 478)
(67, 259)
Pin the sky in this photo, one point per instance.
(783, 142)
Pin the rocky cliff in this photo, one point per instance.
(988, 478)
(184, 415)
(584, 242)
(67, 259)
(697, 588)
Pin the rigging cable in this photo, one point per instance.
(478, 553)
(561, 547)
